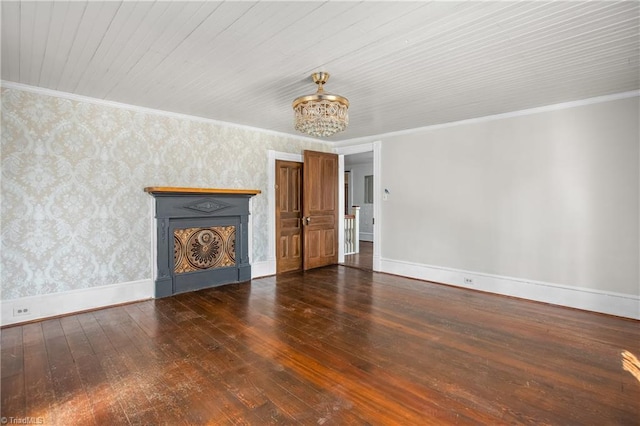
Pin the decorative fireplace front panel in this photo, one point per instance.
(202, 238)
(198, 249)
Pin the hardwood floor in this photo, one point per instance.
(330, 346)
(363, 259)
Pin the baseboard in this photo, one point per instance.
(67, 302)
(619, 304)
(263, 269)
(55, 304)
(366, 236)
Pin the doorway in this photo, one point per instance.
(306, 212)
(268, 266)
(358, 170)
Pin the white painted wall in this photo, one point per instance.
(548, 198)
(358, 172)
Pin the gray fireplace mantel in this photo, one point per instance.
(202, 237)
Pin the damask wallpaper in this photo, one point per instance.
(74, 214)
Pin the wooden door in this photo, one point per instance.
(320, 209)
(288, 216)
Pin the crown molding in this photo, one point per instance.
(336, 144)
(519, 113)
(136, 108)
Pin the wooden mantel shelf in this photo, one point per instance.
(180, 190)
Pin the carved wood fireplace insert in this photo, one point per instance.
(202, 237)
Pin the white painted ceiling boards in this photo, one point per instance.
(402, 65)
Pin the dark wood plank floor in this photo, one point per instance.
(363, 259)
(337, 345)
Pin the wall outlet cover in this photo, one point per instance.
(20, 311)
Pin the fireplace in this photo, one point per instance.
(202, 237)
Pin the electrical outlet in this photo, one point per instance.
(23, 310)
(468, 281)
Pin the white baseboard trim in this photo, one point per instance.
(263, 269)
(67, 302)
(366, 236)
(54, 304)
(619, 304)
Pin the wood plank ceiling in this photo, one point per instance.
(402, 65)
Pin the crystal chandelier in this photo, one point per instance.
(321, 114)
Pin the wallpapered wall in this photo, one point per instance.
(74, 214)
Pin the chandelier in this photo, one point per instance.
(321, 114)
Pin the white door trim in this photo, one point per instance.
(376, 147)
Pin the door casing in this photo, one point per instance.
(268, 267)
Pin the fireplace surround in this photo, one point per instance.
(201, 236)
